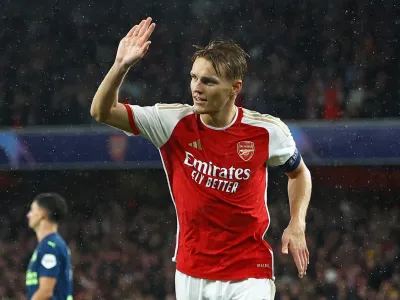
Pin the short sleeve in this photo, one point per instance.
(49, 262)
(281, 145)
(157, 122)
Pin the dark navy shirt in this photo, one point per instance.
(51, 258)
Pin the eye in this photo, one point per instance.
(209, 82)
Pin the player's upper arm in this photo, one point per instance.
(46, 285)
(282, 148)
(301, 169)
(118, 117)
(155, 123)
(50, 261)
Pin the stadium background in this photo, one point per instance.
(328, 68)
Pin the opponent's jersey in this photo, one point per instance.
(51, 258)
(218, 183)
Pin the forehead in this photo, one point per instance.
(203, 68)
(35, 205)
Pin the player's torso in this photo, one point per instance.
(218, 180)
(218, 176)
(63, 288)
(32, 278)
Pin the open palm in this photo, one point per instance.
(135, 44)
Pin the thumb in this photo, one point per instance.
(285, 244)
(146, 46)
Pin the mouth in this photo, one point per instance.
(198, 100)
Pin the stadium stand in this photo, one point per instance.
(310, 60)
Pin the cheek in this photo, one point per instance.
(192, 85)
(219, 94)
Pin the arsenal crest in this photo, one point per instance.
(117, 146)
(245, 149)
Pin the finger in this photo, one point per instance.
(308, 256)
(297, 261)
(148, 32)
(130, 33)
(146, 47)
(144, 27)
(137, 30)
(303, 256)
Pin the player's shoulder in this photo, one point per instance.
(176, 109)
(266, 121)
(173, 106)
(53, 244)
(173, 113)
(48, 247)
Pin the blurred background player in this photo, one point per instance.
(215, 154)
(49, 274)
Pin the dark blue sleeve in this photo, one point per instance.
(49, 262)
(292, 163)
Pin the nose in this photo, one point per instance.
(198, 87)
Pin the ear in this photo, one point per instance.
(236, 87)
(44, 213)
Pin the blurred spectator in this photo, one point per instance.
(124, 251)
(309, 59)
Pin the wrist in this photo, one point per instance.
(121, 67)
(298, 221)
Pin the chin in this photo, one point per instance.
(31, 225)
(197, 109)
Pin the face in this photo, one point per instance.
(35, 215)
(211, 93)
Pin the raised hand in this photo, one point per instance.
(135, 44)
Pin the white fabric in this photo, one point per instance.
(191, 288)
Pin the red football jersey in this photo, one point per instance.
(218, 183)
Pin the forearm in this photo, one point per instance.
(106, 96)
(299, 190)
(41, 294)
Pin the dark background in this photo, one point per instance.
(327, 61)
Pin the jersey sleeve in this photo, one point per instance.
(157, 122)
(49, 262)
(282, 146)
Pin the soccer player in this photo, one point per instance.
(49, 274)
(215, 156)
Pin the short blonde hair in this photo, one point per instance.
(226, 56)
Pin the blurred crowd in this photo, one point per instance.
(308, 59)
(122, 250)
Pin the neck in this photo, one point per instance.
(220, 119)
(45, 229)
